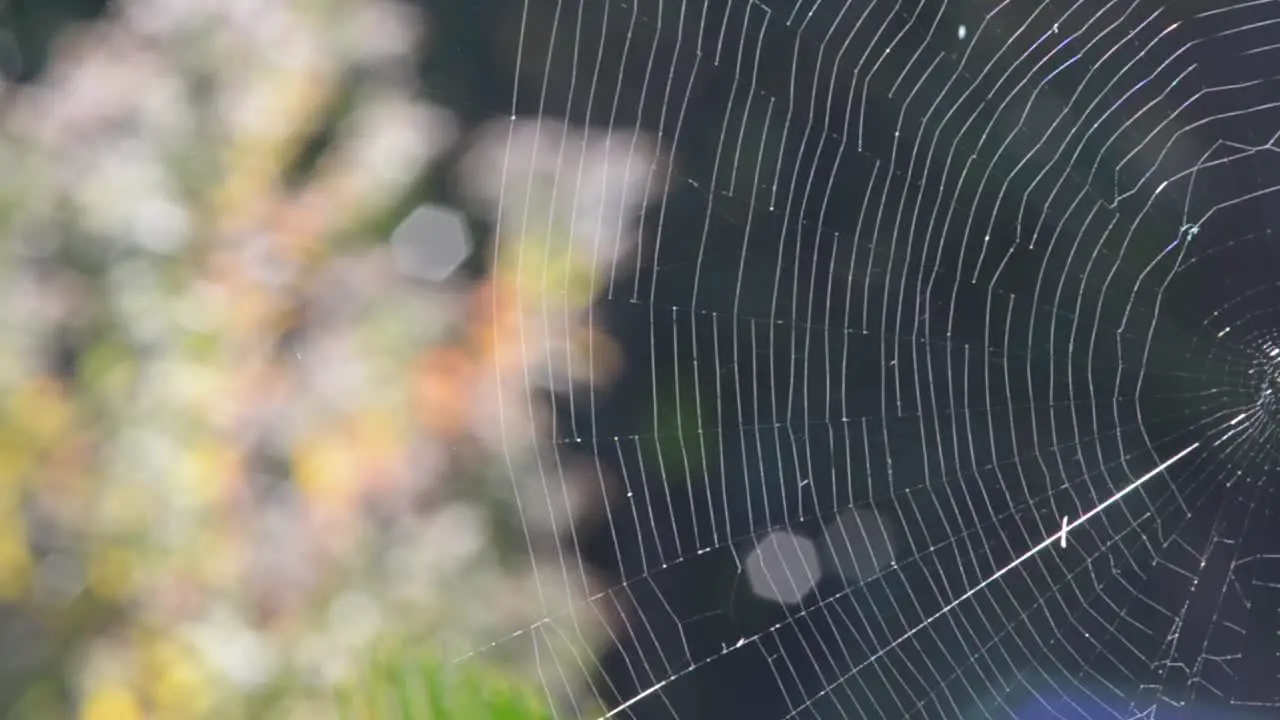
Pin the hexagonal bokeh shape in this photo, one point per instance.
(859, 544)
(431, 243)
(783, 567)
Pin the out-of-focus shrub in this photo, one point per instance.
(245, 436)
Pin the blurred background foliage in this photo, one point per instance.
(277, 338)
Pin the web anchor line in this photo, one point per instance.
(1062, 534)
(1060, 537)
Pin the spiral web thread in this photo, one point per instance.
(966, 312)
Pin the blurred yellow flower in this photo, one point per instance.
(15, 557)
(325, 468)
(177, 682)
(110, 572)
(111, 703)
(41, 406)
(213, 470)
(381, 439)
(15, 460)
(543, 266)
(220, 546)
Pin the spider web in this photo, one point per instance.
(954, 338)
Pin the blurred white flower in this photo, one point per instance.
(267, 104)
(137, 297)
(387, 143)
(547, 179)
(233, 648)
(383, 32)
(103, 79)
(355, 618)
(456, 534)
(125, 194)
(175, 18)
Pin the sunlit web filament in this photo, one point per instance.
(1047, 542)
